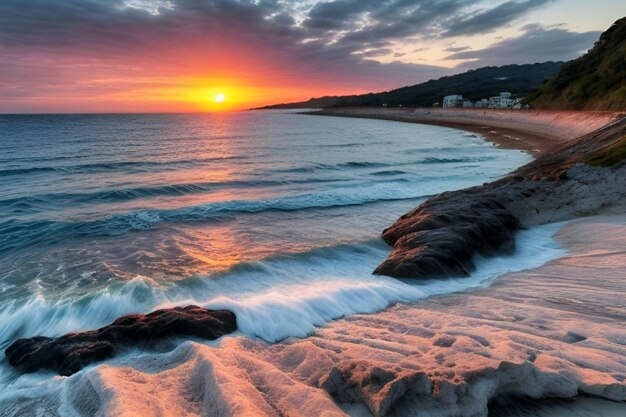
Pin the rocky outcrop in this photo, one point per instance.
(441, 237)
(71, 352)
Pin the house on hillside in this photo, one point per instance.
(454, 100)
(502, 101)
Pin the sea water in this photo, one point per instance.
(274, 215)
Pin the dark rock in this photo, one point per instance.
(441, 237)
(70, 353)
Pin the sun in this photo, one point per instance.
(220, 98)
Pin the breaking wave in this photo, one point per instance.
(279, 297)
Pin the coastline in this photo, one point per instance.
(535, 132)
(552, 332)
(578, 172)
(555, 332)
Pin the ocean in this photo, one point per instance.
(274, 215)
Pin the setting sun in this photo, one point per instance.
(220, 98)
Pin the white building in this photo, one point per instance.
(502, 101)
(455, 100)
(506, 102)
(494, 102)
(482, 104)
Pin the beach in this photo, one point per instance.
(533, 131)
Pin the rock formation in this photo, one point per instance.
(71, 352)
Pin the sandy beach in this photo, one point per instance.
(533, 131)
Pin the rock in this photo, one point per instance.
(441, 237)
(70, 353)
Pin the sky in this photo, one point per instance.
(68, 56)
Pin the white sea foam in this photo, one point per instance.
(274, 299)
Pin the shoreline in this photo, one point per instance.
(535, 132)
(551, 332)
(529, 339)
(577, 173)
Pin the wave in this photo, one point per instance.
(346, 145)
(21, 171)
(308, 168)
(363, 165)
(421, 151)
(433, 160)
(369, 164)
(311, 289)
(389, 173)
(17, 234)
(26, 204)
(334, 167)
(107, 166)
(141, 165)
(276, 298)
(357, 144)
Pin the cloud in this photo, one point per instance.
(338, 29)
(151, 6)
(457, 48)
(337, 15)
(536, 44)
(91, 46)
(365, 20)
(86, 48)
(487, 20)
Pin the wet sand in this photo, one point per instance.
(536, 132)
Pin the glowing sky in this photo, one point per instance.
(179, 55)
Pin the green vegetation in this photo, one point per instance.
(595, 81)
(609, 156)
(474, 85)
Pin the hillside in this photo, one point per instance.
(595, 81)
(475, 84)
